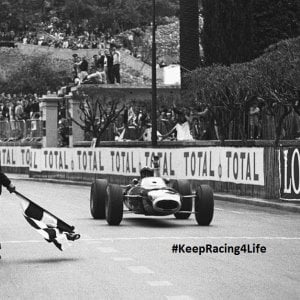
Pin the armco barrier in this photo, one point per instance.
(251, 170)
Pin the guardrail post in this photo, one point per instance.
(76, 133)
(49, 108)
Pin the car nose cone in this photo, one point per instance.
(165, 202)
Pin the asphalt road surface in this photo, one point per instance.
(135, 260)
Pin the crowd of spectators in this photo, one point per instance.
(184, 124)
(133, 124)
(20, 117)
(105, 68)
(58, 34)
(19, 107)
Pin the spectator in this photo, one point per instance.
(75, 63)
(196, 130)
(203, 127)
(82, 68)
(76, 80)
(116, 65)
(147, 133)
(102, 63)
(98, 74)
(19, 111)
(5, 111)
(65, 43)
(11, 108)
(182, 129)
(27, 108)
(254, 122)
(35, 109)
(163, 123)
(63, 131)
(109, 66)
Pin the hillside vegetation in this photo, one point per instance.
(271, 82)
(14, 76)
(107, 15)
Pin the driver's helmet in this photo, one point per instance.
(146, 172)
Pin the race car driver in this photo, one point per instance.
(146, 172)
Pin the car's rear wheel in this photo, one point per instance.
(114, 205)
(98, 196)
(204, 205)
(183, 187)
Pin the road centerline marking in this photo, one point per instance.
(140, 270)
(122, 259)
(179, 297)
(107, 249)
(159, 283)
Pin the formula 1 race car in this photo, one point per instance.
(151, 196)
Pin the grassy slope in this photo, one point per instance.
(133, 70)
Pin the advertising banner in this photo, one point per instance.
(289, 164)
(226, 164)
(15, 156)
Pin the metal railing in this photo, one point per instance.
(23, 129)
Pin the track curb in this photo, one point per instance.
(280, 205)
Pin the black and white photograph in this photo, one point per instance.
(149, 149)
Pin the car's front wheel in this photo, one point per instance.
(204, 205)
(183, 187)
(114, 205)
(97, 198)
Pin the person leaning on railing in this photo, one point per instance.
(181, 129)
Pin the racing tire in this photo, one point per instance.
(114, 205)
(183, 187)
(204, 205)
(97, 198)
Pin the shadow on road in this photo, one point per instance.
(47, 260)
(155, 223)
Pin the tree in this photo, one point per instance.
(236, 31)
(17, 15)
(189, 42)
(77, 10)
(98, 113)
(189, 35)
(274, 20)
(278, 83)
(272, 79)
(37, 74)
(226, 35)
(126, 14)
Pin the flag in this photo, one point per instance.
(50, 227)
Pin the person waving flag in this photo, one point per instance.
(53, 229)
